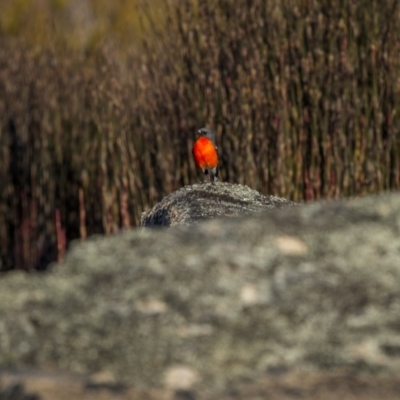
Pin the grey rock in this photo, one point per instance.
(219, 304)
(192, 204)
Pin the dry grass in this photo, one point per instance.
(303, 96)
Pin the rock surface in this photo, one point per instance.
(286, 302)
(203, 201)
(33, 385)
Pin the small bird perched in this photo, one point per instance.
(205, 152)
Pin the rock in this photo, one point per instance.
(199, 202)
(276, 385)
(304, 302)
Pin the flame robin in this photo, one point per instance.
(205, 152)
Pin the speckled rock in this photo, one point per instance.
(196, 203)
(218, 304)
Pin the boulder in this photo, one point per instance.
(300, 302)
(199, 202)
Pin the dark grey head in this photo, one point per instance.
(206, 132)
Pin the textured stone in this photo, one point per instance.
(313, 289)
(203, 201)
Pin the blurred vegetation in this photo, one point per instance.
(79, 24)
(98, 107)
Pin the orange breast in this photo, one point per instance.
(204, 153)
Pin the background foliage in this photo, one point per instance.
(99, 101)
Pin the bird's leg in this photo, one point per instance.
(213, 175)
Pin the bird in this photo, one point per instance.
(205, 153)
